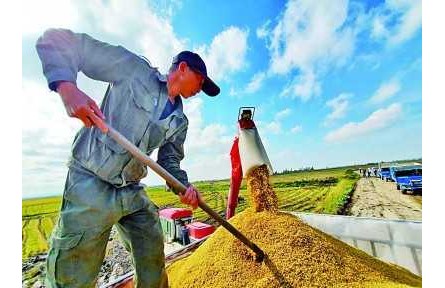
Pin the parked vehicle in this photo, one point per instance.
(407, 178)
(383, 173)
(392, 175)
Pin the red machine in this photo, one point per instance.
(200, 230)
(172, 219)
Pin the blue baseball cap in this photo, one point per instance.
(195, 62)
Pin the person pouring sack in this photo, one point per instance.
(103, 186)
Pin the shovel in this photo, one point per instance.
(178, 186)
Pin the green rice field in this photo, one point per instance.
(319, 191)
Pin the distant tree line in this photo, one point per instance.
(328, 181)
(353, 166)
(289, 171)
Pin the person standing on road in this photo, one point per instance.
(103, 186)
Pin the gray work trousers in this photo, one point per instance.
(90, 208)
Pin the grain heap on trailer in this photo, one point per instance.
(295, 253)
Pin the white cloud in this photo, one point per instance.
(151, 35)
(307, 86)
(378, 29)
(255, 83)
(266, 128)
(371, 60)
(296, 129)
(286, 158)
(386, 91)
(310, 36)
(206, 146)
(379, 119)
(198, 135)
(159, 42)
(45, 114)
(47, 134)
(262, 31)
(114, 22)
(306, 33)
(283, 113)
(397, 21)
(226, 54)
(303, 86)
(410, 20)
(233, 92)
(273, 127)
(31, 24)
(339, 106)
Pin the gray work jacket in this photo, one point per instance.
(133, 104)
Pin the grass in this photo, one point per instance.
(40, 206)
(34, 241)
(336, 197)
(320, 191)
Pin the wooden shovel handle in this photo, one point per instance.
(179, 187)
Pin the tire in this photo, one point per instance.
(398, 187)
(404, 191)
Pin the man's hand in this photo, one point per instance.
(190, 197)
(79, 105)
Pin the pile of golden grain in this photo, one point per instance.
(297, 254)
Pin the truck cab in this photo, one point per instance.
(383, 173)
(408, 178)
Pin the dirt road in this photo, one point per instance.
(376, 198)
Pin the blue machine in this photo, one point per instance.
(407, 178)
(384, 174)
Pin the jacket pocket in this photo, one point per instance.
(113, 157)
(145, 98)
(134, 171)
(63, 261)
(133, 110)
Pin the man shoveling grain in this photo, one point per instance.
(103, 183)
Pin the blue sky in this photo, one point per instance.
(334, 82)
